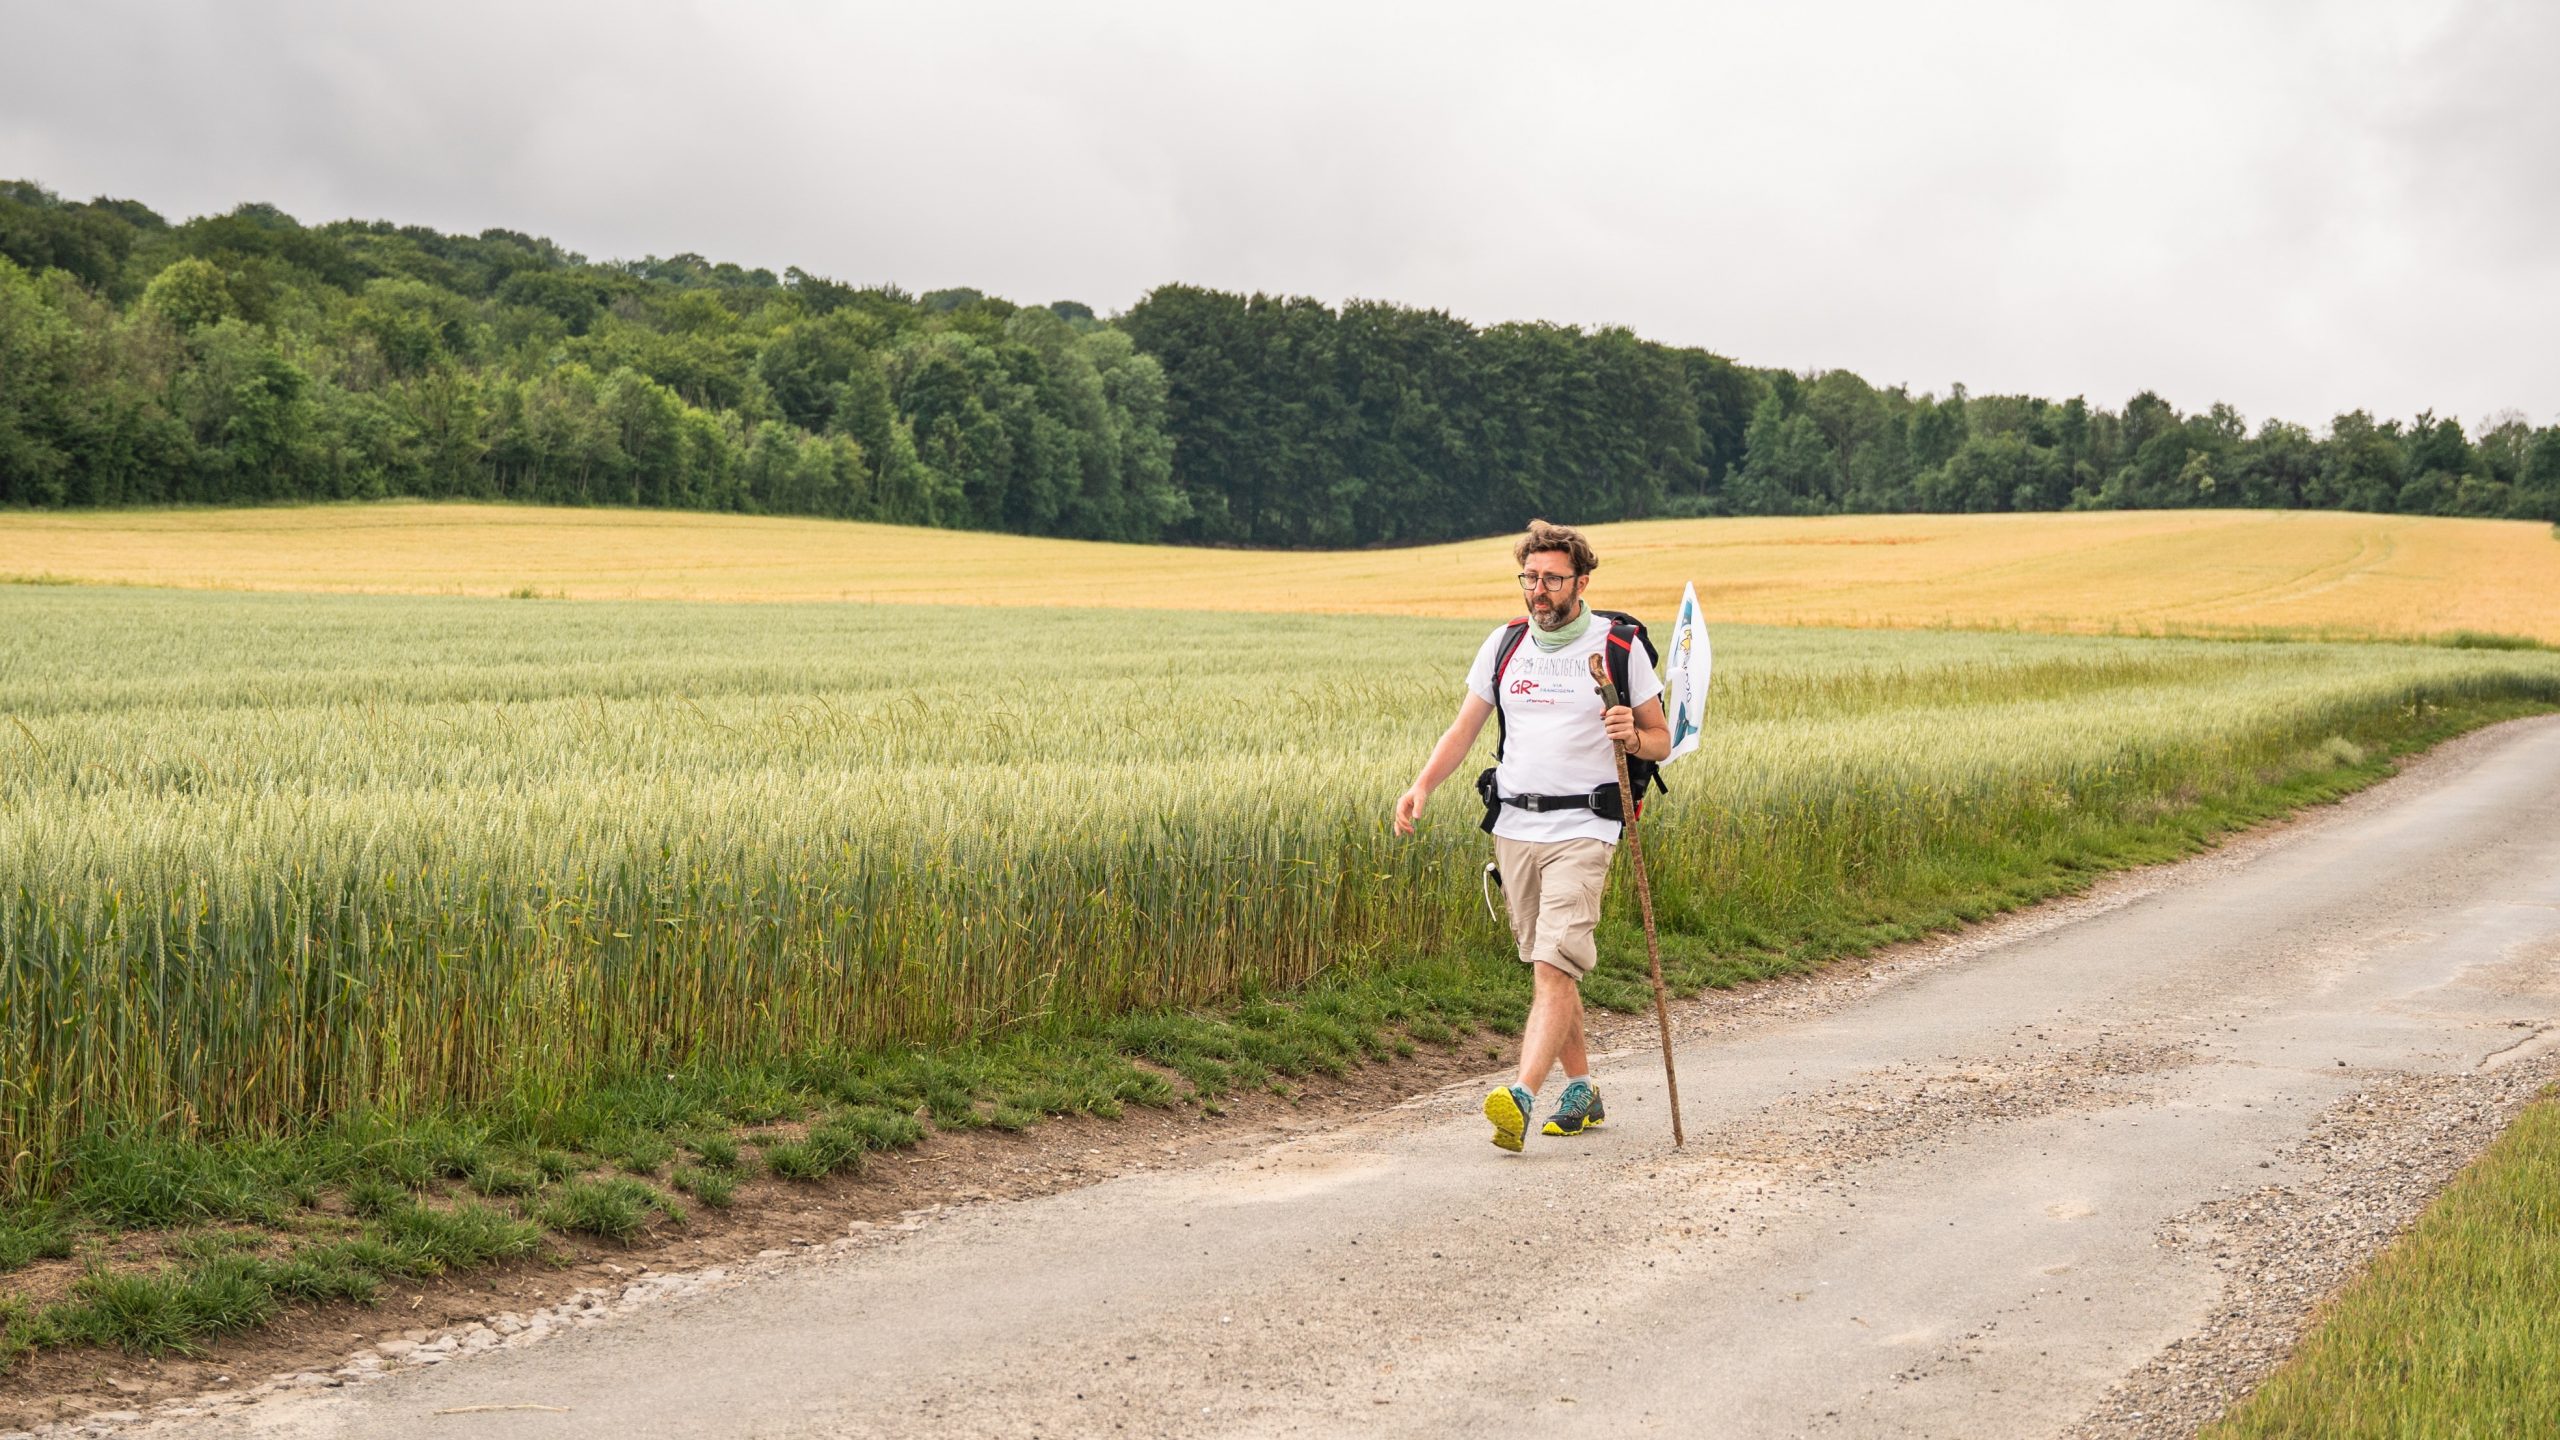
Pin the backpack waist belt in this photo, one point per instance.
(1604, 801)
(1590, 800)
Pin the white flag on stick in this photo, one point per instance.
(1686, 664)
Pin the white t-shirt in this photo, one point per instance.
(1555, 745)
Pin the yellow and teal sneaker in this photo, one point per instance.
(1577, 1110)
(1508, 1108)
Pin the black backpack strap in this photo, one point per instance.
(1621, 619)
(1625, 633)
(1622, 642)
(1512, 634)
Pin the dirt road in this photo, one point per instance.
(2078, 1171)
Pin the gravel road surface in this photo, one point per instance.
(2081, 1171)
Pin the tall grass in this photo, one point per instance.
(2453, 1330)
(269, 859)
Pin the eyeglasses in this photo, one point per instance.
(1552, 584)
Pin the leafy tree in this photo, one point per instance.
(1938, 429)
(1992, 472)
(88, 242)
(2281, 469)
(575, 300)
(189, 294)
(1725, 394)
(38, 358)
(2537, 484)
(2362, 463)
(1787, 463)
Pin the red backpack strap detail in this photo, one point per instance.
(1622, 643)
(1513, 632)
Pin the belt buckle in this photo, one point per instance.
(1536, 802)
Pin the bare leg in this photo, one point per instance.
(1577, 1046)
(1554, 1029)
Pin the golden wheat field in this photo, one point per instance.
(2209, 572)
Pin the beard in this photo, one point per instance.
(1546, 614)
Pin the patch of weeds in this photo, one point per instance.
(333, 1272)
(1201, 1050)
(375, 1194)
(168, 1309)
(616, 1208)
(640, 1152)
(873, 1129)
(22, 1329)
(837, 1144)
(808, 1160)
(33, 1233)
(759, 1106)
(497, 1179)
(205, 1245)
(224, 1288)
(863, 1088)
(1040, 1098)
(714, 1188)
(454, 1151)
(1430, 1031)
(368, 1254)
(401, 1162)
(430, 1241)
(716, 1150)
(556, 1164)
(954, 1108)
(137, 1182)
(633, 1115)
(1087, 1081)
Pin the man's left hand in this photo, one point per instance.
(1620, 722)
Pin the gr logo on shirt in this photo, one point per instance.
(1549, 679)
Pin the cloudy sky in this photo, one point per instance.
(2299, 208)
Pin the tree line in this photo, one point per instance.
(246, 357)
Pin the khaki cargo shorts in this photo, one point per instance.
(1553, 890)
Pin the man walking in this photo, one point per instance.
(1556, 830)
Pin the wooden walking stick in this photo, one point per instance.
(1644, 902)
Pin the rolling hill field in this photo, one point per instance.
(2198, 573)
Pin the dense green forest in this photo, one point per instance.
(247, 357)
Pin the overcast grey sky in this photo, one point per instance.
(2299, 208)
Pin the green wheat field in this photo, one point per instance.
(350, 940)
(276, 859)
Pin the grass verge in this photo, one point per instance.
(2455, 1330)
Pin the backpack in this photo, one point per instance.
(1625, 633)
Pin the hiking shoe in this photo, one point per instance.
(1577, 1110)
(1508, 1108)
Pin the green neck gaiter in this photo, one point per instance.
(1564, 634)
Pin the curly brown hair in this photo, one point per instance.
(1564, 540)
